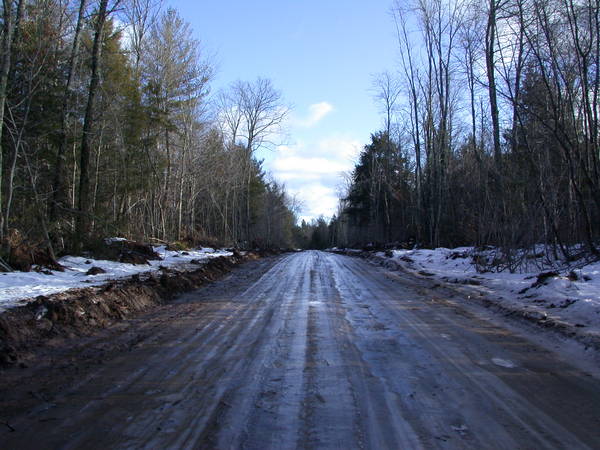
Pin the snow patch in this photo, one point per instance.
(569, 295)
(17, 288)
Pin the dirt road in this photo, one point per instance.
(315, 350)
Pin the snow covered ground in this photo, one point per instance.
(572, 296)
(17, 287)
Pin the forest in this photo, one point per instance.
(110, 128)
(491, 132)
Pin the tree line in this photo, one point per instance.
(491, 130)
(109, 127)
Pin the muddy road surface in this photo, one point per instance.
(310, 350)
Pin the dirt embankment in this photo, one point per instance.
(80, 312)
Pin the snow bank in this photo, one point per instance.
(571, 296)
(16, 288)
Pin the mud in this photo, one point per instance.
(310, 350)
(560, 327)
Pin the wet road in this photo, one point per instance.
(322, 351)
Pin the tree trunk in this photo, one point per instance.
(490, 39)
(59, 197)
(83, 218)
(8, 32)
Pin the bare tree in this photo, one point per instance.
(141, 16)
(490, 64)
(230, 116)
(176, 78)
(263, 113)
(411, 75)
(256, 113)
(386, 90)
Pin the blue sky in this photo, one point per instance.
(321, 55)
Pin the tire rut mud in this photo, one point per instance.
(308, 350)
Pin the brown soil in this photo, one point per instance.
(125, 251)
(24, 254)
(81, 312)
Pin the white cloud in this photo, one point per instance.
(291, 176)
(318, 200)
(313, 171)
(334, 148)
(288, 150)
(344, 149)
(299, 164)
(316, 112)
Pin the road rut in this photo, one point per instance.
(320, 351)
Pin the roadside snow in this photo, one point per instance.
(562, 297)
(16, 288)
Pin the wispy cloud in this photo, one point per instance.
(316, 113)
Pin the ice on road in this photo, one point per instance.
(321, 351)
